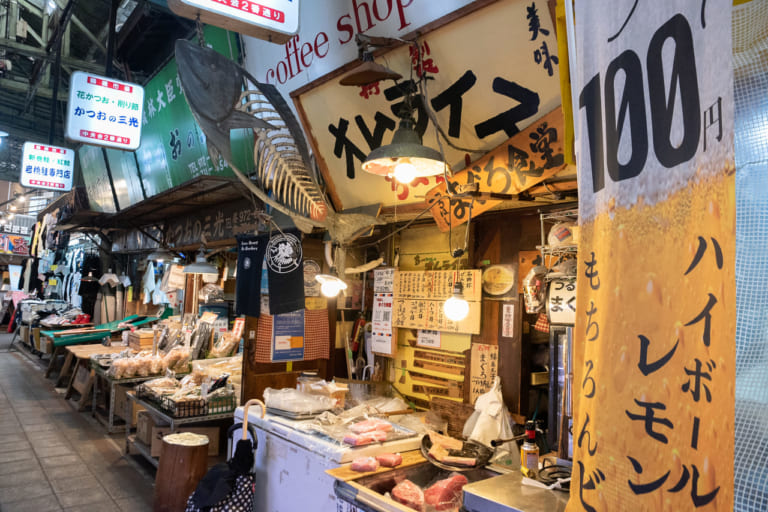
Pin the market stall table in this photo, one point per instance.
(115, 387)
(82, 376)
(59, 339)
(131, 440)
(286, 453)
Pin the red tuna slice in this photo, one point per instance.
(409, 494)
(389, 460)
(365, 464)
(446, 494)
(370, 425)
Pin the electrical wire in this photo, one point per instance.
(549, 474)
(425, 210)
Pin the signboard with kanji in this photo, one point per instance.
(419, 299)
(104, 111)
(654, 356)
(273, 20)
(47, 167)
(491, 74)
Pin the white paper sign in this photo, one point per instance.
(426, 338)
(508, 321)
(381, 324)
(381, 343)
(104, 111)
(382, 312)
(561, 304)
(383, 280)
(47, 167)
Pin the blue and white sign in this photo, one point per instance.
(104, 111)
(288, 336)
(47, 167)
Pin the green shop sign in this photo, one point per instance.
(173, 149)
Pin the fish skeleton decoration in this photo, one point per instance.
(213, 88)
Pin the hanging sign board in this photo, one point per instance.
(47, 167)
(273, 20)
(104, 112)
(479, 102)
(653, 351)
(561, 301)
(523, 161)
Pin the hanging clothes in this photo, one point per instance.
(250, 254)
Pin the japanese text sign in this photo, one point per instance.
(47, 167)
(419, 298)
(484, 369)
(491, 74)
(526, 159)
(273, 20)
(104, 111)
(654, 353)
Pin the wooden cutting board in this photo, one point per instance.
(345, 472)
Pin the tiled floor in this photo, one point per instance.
(54, 458)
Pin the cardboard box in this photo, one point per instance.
(145, 422)
(24, 334)
(158, 432)
(121, 402)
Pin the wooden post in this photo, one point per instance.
(183, 462)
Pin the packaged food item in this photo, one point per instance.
(535, 289)
(389, 460)
(409, 494)
(365, 464)
(445, 494)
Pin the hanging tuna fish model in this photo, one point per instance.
(213, 88)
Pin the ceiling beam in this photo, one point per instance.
(23, 87)
(79, 24)
(39, 53)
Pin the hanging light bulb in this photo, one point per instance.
(405, 172)
(21, 198)
(330, 285)
(456, 308)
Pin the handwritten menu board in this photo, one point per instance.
(419, 298)
(483, 371)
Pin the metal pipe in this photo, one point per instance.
(112, 36)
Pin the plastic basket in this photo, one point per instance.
(197, 407)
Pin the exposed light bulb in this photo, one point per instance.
(13, 207)
(330, 285)
(405, 172)
(22, 199)
(456, 308)
(11, 216)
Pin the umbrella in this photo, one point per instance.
(229, 486)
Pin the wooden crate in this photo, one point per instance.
(141, 339)
(455, 413)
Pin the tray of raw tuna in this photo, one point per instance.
(374, 430)
(441, 495)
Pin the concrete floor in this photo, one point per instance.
(54, 458)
